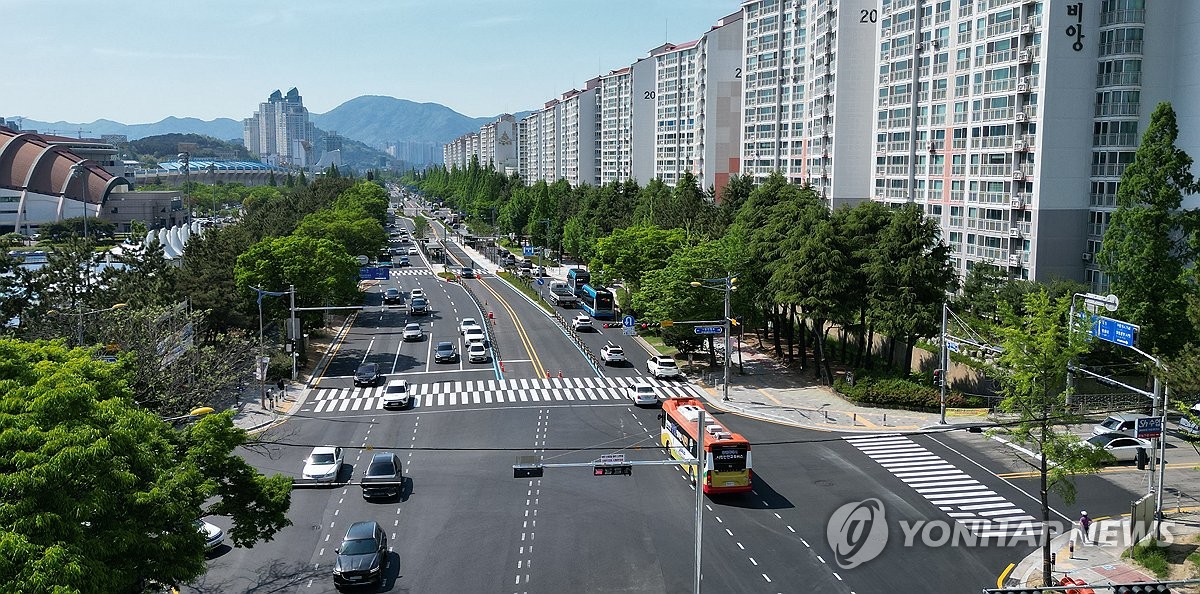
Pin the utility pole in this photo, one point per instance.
(728, 326)
(945, 360)
(700, 460)
(295, 330)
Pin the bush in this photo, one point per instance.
(1151, 556)
(906, 393)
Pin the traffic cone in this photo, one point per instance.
(502, 366)
(559, 374)
(547, 374)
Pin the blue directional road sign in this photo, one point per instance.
(628, 321)
(1114, 331)
(541, 281)
(527, 251)
(373, 273)
(952, 346)
(708, 329)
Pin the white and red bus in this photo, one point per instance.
(727, 465)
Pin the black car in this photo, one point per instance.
(418, 306)
(468, 273)
(445, 353)
(404, 261)
(384, 477)
(392, 295)
(361, 556)
(367, 374)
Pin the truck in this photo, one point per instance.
(561, 295)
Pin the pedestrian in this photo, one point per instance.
(281, 387)
(1085, 524)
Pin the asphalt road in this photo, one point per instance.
(464, 524)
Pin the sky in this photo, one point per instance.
(138, 61)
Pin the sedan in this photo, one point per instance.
(643, 395)
(323, 464)
(361, 556)
(413, 332)
(367, 374)
(477, 353)
(403, 262)
(412, 251)
(416, 294)
(1122, 447)
(445, 353)
(213, 536)
(392, 295)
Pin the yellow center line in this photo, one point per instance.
(538, 368)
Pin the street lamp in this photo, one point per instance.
(726, 285)
(185, 163)
(77, 172)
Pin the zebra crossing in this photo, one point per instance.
(509, 391)
(967, 501)
(410, 272)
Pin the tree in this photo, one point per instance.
(351, 227)
(629, 253)
(1150, 242)
(98, 496)
(321, 270)
(206, 278)
(1032, 369)
(981, 291)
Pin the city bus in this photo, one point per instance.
(727, 454)
(598, 303)
(576, 279)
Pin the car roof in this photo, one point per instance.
(383, 457)
(477, 346)
(397, 382)
(445, 344)
(324, 449)
(359, 530)
(411, 325)
(475, 330)
(1128, 416)
(465, 320)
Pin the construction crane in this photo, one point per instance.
(80, 132)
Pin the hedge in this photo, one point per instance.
(901, 393)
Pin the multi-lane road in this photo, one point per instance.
(464, 524)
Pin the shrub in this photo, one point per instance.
(907, 393)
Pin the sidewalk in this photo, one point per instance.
(252, 416)
(1095, 563)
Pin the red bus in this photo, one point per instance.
(727, 465)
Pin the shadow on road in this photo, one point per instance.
(275, 576)
(762, 497)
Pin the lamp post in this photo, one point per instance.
(185, 163)
(727, 285)
(199, 411)
(77, 172)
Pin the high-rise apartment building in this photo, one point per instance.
(697, 120)
(577, 143)
(615, 107)
(1028, 112)
(807, 86)
(498, 144)
(549, 161)
(280, 133)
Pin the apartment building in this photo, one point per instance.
(498, 144)
(807, 89)
(549, 159)
(577, 139)
(529, 147)
(280, 133)
(697, 119)
(1027, 112)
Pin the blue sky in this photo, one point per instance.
(138, 61)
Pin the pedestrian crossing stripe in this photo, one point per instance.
(969, 502)
(509, 391)
(410, 272)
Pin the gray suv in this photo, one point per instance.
(384, 477)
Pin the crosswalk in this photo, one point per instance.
(410, 272)
(509, 391)
(966, 500)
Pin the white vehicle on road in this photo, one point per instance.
(611, 353)
(581, 322)
(474, 336)
(663, 366)
(643, 394)
(477, 353)
(466, 324)
(396, 394)
(323, 464)
(416, 294)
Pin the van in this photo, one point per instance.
(1123, 423)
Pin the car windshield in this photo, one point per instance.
(412, 327)
(321, 459)
(666, 362)
(645, 390)
(397, 389)
(366, 369)
(445, 347)
(615, 351)
(362, 546)
(1111, 423)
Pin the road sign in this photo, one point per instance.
(1109, 302)
(951, 346)
(708, 329)
(541, 281)
(1149, 427)
(1114, 331)
(527, 251)
(612, 459)
(630, 331)
(628, 321)
(373, 273)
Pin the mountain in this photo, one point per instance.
(377, 120)
(223, 128)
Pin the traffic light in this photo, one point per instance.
(527, 471)
(1148, 588)
(612, 469)
(938, 377)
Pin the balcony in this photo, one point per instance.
(1121, 47)
(1116, 17)
(991, 142)
(988, 225)
(1108, 169)
(987, 198)
(1128, 140)
(1119, 79)
(1117, 109)
(995, 58)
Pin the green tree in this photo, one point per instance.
(321, 270)
(1032, 369)
(352, 228)
(629, 253)
(97, 496)
(980, 295)
(1150, 242)
(206, 278)
(666, 292)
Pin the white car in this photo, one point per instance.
(474, 336)
(412, 251)
(642, 394)
(416, 294)
(396, 394)
(663, 366)
(413, 332)
(1122, 447)
(581, 322)
(323, 464)
(477, 353)
(466, 324)
(213, 536)
(611, 353)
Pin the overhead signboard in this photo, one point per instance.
(952, 346)
(373, 273)
(708, 329)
